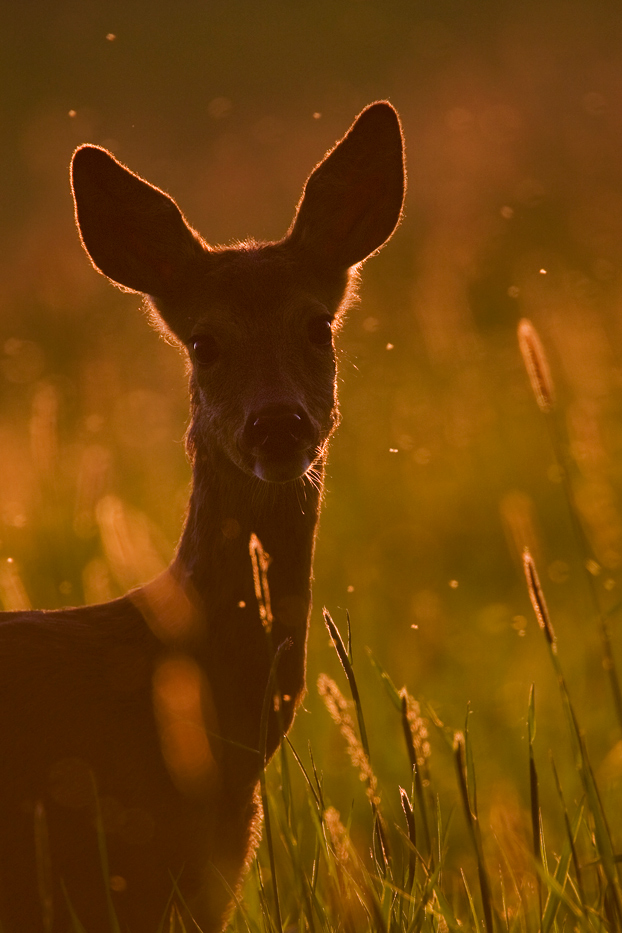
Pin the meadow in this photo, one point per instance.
(444, 468)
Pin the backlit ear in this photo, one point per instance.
(352, 201)
(134, 233)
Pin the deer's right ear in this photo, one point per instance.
(133, 232)
(352, 201)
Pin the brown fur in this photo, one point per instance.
(144, 715)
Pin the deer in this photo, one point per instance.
(133, 733)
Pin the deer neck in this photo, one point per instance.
(228, 507)
(237, 642)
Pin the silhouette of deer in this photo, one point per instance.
(144, 723)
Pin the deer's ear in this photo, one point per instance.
(134, 233)
(352, 201)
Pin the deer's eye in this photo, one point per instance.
(205, 349)
(320, 331)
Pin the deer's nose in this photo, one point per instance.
(277, 433)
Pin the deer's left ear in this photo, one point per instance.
(352, 201)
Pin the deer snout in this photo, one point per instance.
(281, 441)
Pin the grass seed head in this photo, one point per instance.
(537, 365)
(340, 711)
(338, 835)
(418, 726)
(536, 596)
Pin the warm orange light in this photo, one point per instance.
(182, 703)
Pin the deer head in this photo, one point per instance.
(256, 320)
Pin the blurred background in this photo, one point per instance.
(442, 470)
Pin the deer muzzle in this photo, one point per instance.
(282, 443)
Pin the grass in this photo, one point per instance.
(514, 182)
(383, 809)
(401, 876)
(311, 874)
(319, 871)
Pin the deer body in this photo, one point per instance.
(143, 718)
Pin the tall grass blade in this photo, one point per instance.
(343, 655)
(412, 835)
(393, 693)
(400, 699)
(44, 867)
(601, 829)
(561, 874)
(269, 926)
(444, 910)
(382, 849)
(474, 917)
(240, 909)
(584, 923)
(470, 766)
(419, 789)
(570, 833)
(76, 926)
(534, 796)
(103, 858)
(309, 783)
(318, 782)
(424, 899)
(608, 661)
(474, 831)
(263, 744)
(539, 374)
